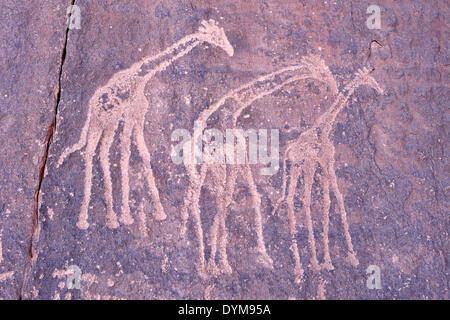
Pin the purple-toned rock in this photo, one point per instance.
(32, 37)
(243, 150)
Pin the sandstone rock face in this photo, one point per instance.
(361, 115)
(32, 41)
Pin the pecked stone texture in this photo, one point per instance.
(31, 41)
(391, 159)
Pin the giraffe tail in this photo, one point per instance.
(283, 192)
(80, 144)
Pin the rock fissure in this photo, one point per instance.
(42, 166)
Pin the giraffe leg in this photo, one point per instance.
(125, 143)
(108, 137)
(298, 270)
(224, 265)
(158, 210)
(231, 183)
(195, 210)
(195, 181)
(213, 235)
(218, 228)
(325, 179)
(263, 257)
(340, 200)
(88, 158)
(186, 205)
(309, 171)
(229, 190)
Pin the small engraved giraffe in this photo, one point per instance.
(223, 182)
(123, 99)
(311, 148)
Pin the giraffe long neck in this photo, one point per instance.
(244, 95)
(251, 91)
(268, 91)
(329, 117)
(167, 57)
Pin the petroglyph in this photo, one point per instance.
(207, 293)
(312, 148)
(224, 181)
(123, 99)
(6, 275)
(87, 279)
(142, 222)
(90, 284)
(51, 213)
(1, 248)
(321, 290)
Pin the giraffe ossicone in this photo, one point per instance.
(123, 99)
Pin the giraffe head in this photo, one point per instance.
(210, 32)
(363, 77)
(317, 68)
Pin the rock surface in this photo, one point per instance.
(32, 41)
(390, 157)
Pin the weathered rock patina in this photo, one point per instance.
(138, 226)
(32, 37)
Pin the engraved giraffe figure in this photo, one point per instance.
(314, 147)
(245, 96)
(314, 68)
(123, 99)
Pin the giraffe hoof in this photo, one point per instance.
(201, 273)
(182, 231)
(225, 268)
(83, 224)
(158, 211)
(126, 219)
(212, 269)
(351, 258)
(265, 260)
(315, 266)
(298, 271)
(159, 216)
(327, 266)
(112, 224)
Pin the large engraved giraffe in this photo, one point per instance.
(223, 182)
(123, 99)
(311, 148)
